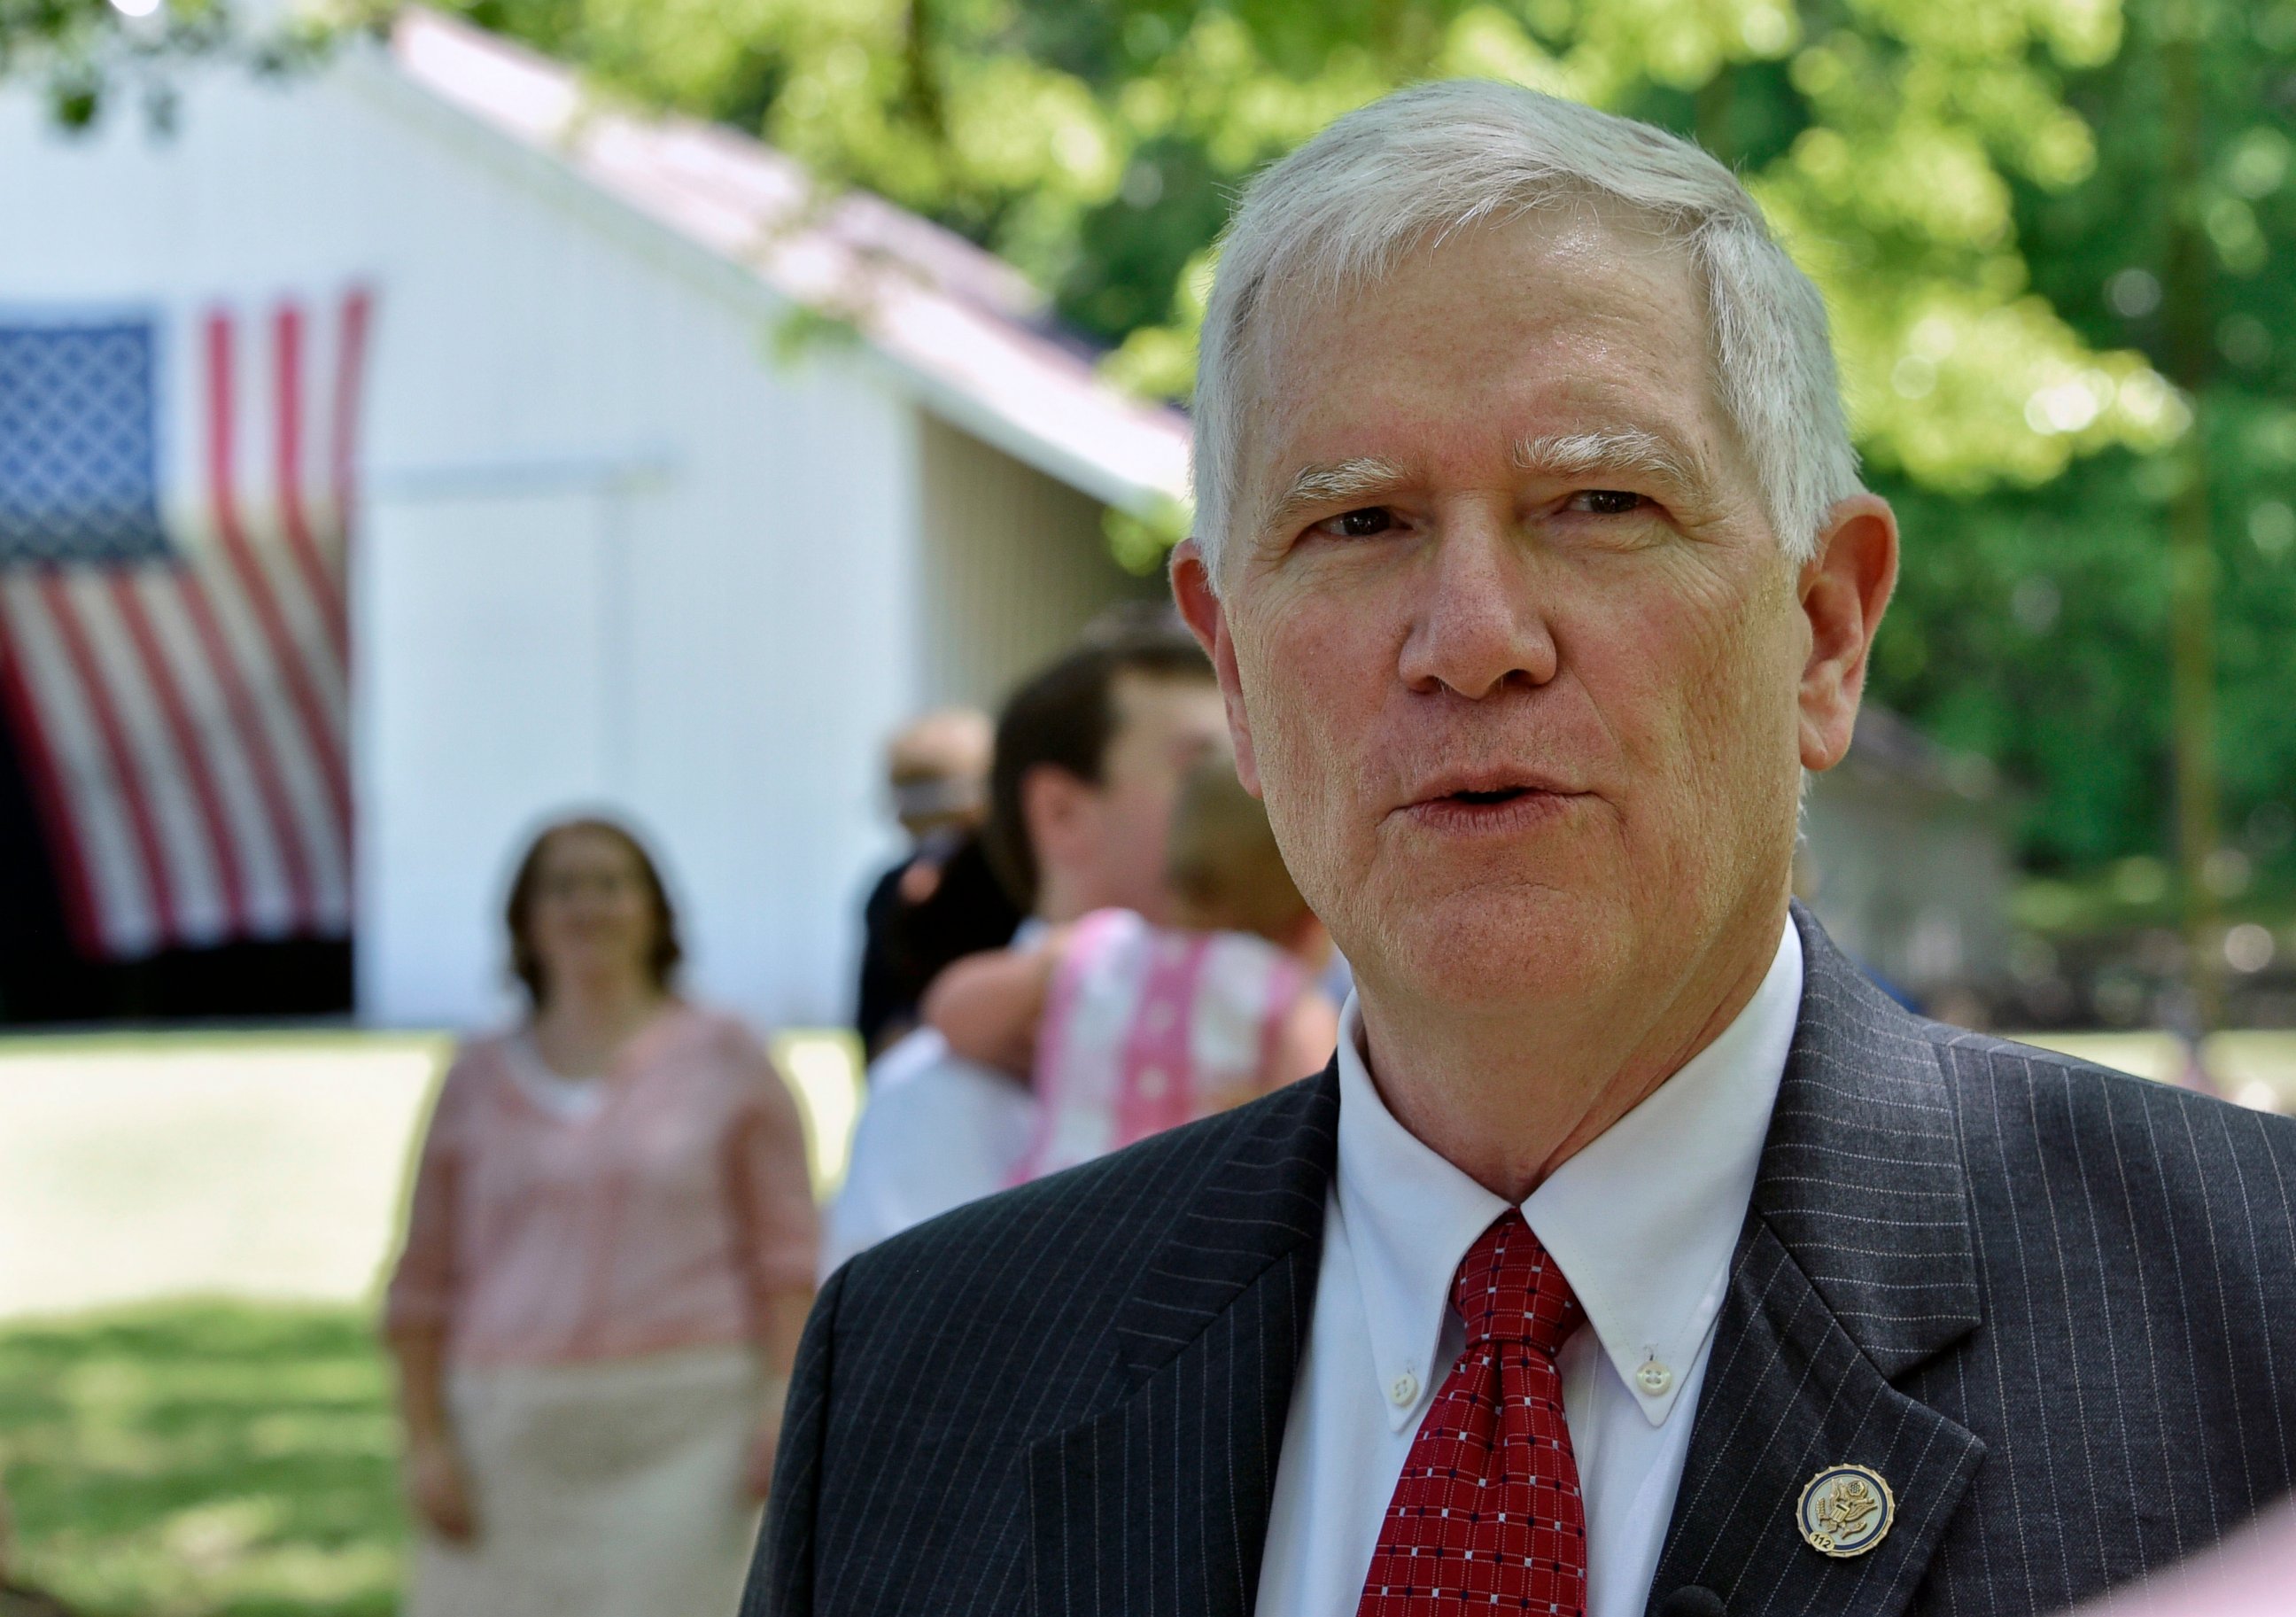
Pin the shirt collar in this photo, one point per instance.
(1643, 1221)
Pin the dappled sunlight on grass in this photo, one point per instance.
(204, 1459)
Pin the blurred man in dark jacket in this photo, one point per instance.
(940, 900)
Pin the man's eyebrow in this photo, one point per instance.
(1333, 483)
(1615, 449)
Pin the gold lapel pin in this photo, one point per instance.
(1845, 1510)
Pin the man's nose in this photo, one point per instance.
(1479, 627)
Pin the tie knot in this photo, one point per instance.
(1509, 1290)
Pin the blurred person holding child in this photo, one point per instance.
(1124, 1027)
(1088, 758)
(608, 1258)
(940, 900)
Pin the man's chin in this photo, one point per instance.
(1518, 946)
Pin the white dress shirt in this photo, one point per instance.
(936, 1131)
(1642, 1223)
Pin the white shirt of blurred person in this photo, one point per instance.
(1089, 756)
(609, 1259)
(1124, 1028)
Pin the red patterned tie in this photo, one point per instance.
(1486, 1515)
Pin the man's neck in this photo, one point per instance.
(1510, 1095)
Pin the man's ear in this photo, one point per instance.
(1844, 589)
(1207, 617)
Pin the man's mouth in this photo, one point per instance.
(1487, 803)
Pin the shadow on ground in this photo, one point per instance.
(203, 1460)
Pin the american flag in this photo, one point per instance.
(175, 490)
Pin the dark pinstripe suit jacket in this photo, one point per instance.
(2054, 1306)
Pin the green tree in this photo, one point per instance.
(89, 56)
(1097, 147)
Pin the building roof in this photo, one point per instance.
(964, 329)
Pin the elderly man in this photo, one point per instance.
(1634, 1255)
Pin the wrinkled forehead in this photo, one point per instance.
(1580, 316)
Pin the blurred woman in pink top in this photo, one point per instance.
(607, 1262)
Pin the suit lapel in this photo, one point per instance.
(1856, 1265)
(1158, 1503)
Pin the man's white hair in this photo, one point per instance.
(1424, 162)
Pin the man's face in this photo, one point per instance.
(1514, 652)
(1163, 728)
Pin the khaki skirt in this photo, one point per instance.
(601, 1490)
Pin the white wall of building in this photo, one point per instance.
(1014, 563)
(614, 553)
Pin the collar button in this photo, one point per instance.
(1403, 1389)
(1654, 1378)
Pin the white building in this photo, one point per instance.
(627, 535)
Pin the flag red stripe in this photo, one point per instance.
(254, 583)
(74, 885)
(270, 785)
(287, 353)
(128, 602)
(144, 829)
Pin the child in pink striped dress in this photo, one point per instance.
(1125, 1027)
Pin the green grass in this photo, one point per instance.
(204, 1459)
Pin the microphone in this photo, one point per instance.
(1691, 1601)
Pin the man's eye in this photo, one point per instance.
(1606, 502)
(1364, 524)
